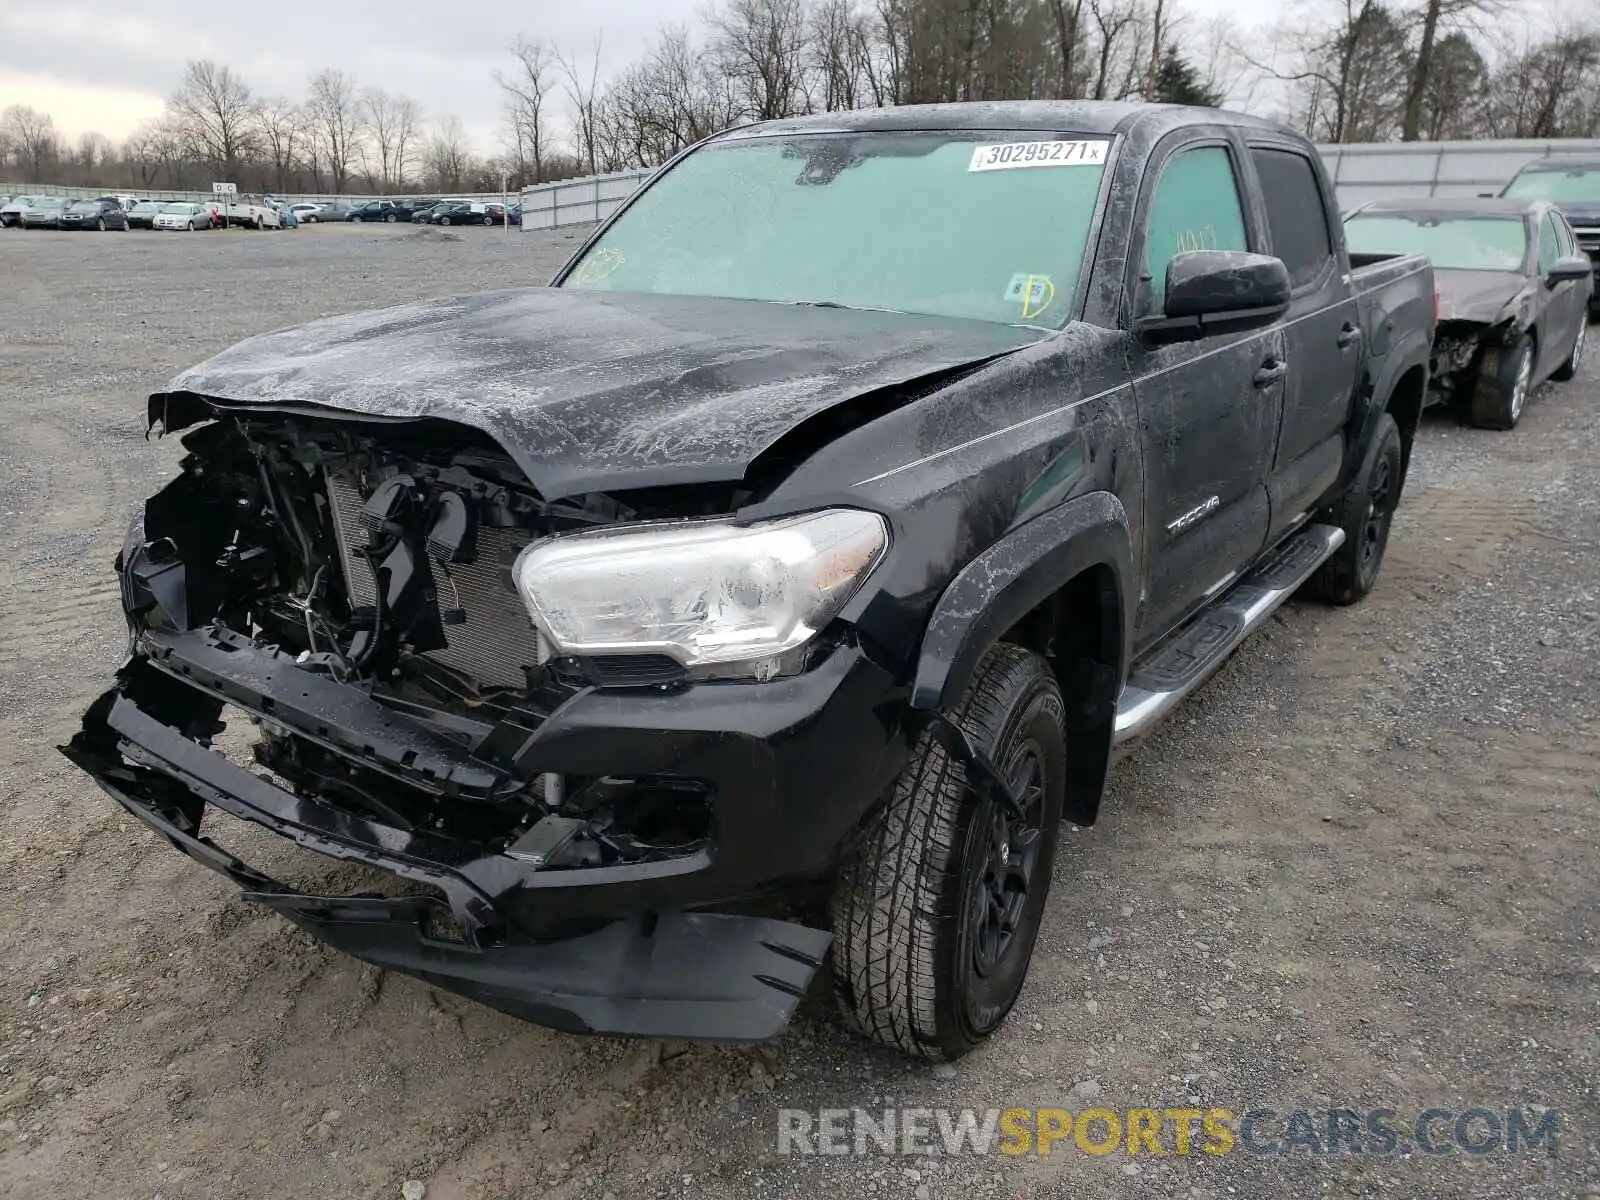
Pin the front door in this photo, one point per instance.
(1208, 410)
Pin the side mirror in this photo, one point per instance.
(1569, 266)
(1210, 292)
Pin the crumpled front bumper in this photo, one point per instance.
(617, 950)
(679, 974)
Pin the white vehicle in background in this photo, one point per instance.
(182, 215)
(252, 214)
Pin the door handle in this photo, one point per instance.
(1270, 372)
(1349, 335)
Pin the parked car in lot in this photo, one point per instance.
(731, 560)
(406, 208)
(1573, 186)
(427, 216)
(1514, 294)
(184, 216)
(44, 212)
(102, 214)
(11, 212)
(375, 210)
(143, 214)
(469, 212)
(326, 212)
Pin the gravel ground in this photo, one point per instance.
(1356, 871)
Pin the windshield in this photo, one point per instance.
(185, 210)
(146, 206)
(1497, 243)
(989, 226)
(1556, 184)
(84, 206)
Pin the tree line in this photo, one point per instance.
(1339, 70)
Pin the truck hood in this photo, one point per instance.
(590, 390)
(1480, 296)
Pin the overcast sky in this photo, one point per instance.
(106, 65)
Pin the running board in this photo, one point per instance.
(1187, 659)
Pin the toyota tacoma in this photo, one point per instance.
(830, 518)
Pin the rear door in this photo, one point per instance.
(1563, 304)
(1208, 410)
(1323, 328)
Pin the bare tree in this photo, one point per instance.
(212, 106)
(762, 44)
(140, 152)
(336, 119)
(34, 135)
(283, 132)
(1549, 90)
(447, 158)
(393, 122)
(526, 90)
(94, 153)
(583, 100)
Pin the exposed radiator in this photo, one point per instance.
(498, 639)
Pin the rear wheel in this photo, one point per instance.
(937, 906)
(1365, 514)
(1497, 402)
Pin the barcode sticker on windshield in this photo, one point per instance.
(1038, 154)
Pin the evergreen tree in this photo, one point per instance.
(1177, 82)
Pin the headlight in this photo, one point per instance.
(702, 592)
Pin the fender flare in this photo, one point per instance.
(1013, 577)
(1413, 350)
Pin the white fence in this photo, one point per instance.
(578, 201)
(1361, 172)
(1388, 169)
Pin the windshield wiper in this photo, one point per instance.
(899, 312)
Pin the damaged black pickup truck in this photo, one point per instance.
(836, 511)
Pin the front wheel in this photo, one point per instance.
(938, 903)
(191, 226)
(1497, 401)
(390, 218)
(100, 225)
(488, 220)
(1365, 514)
(444, 220)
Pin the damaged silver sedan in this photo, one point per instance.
(1513, 295)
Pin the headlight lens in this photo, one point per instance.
(703, 592)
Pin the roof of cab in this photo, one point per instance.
(1104, 117)
(1454, 206)
(1562, 163)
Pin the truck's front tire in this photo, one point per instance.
(1364, 513)
(938, 903)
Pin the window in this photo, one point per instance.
(1296, 217)
(989, 227)
(1549, 244)
(1195, 207)
(1454, 243)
